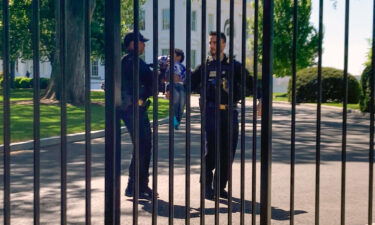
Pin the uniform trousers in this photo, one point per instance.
(224, 147)
(144, 145)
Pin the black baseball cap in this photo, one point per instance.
(131, 37)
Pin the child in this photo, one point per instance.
(179, 92)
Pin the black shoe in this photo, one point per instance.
(209, 194)
(224, 194)
(129, 191)
(146, 193)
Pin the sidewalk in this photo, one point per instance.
(357, 175)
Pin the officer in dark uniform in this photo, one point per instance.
(145, 91)
(224, 112)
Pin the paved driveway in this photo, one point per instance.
(357, 175)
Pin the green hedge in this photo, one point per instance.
(332, 86)
(24, 82)
(366, 92)
(43, 82)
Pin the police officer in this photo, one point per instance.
(145, 91)
(211, 80)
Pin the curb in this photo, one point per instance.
(55, 140)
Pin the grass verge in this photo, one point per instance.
(283, 97)
(22, 116)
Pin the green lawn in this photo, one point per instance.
(19, 95)
(283, 97)
(280, 97)
(22, 116)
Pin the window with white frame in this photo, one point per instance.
(142, 19)
(193, 58)
(194, 20)
(165, 14)
(95, 68)
(210, 22)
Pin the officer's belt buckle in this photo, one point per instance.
(140, 102)
(223, 107)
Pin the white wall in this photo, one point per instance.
(27, 65)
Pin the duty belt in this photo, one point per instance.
(141, 102)
(223, 107)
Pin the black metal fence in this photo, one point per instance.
(113, 101)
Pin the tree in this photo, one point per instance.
(75, 53)
(20, 31)
(75, 45)
(20, 39)
(307, 39)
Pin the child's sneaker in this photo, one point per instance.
(176, 124)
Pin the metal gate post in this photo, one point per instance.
(266, 138)
(112, 96)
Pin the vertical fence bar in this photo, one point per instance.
(36, 97)
(188, 105)
(266, 138)
(217, 112)
(344, 114)
(293, 125)
(372, 98)
(63, 115)
(230, 106)
(243, 110)
(318, 115)
(87, 24)
(112, 96)
(6, 126)
(136, 112)
(255, 110)
(203, 113)
(171, 112)
(155, 114)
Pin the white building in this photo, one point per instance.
(146, 28)
(196, 24)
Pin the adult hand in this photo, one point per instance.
(167, 95)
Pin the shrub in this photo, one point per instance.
(22, 82)
(43, 82)
(1, 79)
(364, 101)
(332, 86)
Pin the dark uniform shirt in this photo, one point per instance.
(145, 78)
(196, 80)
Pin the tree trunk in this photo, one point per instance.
(75, 55)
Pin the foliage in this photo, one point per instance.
(307, 39)
(25, 82)
(369, 54)
(44, 82)
(97, 25)
(20, 29)
(332, 86)
(22, 82)
(364, 101)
